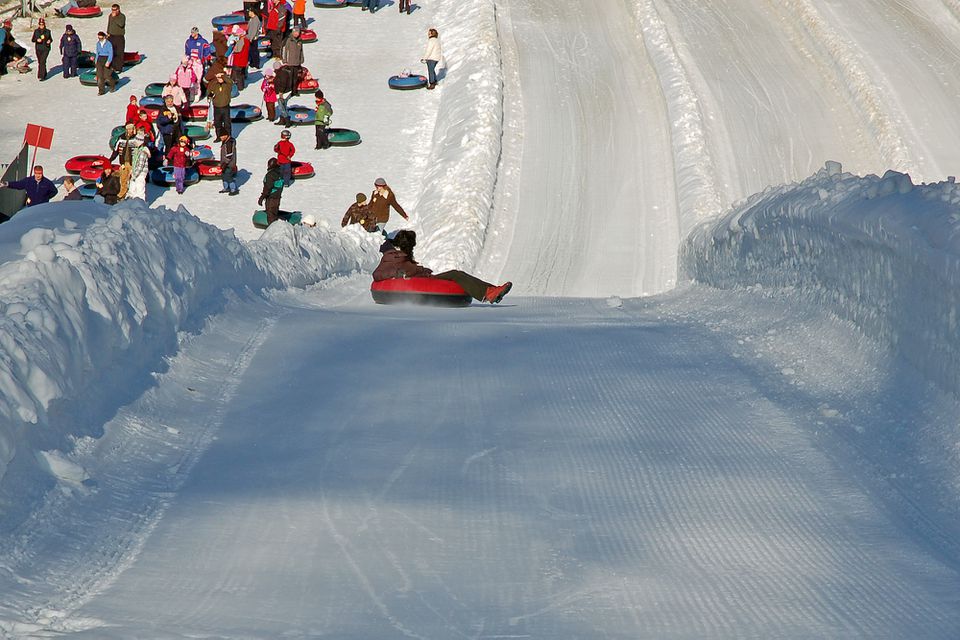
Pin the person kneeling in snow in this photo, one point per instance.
(397, 262)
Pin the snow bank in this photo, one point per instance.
(90, 304)
(459, 186)
(878, 251)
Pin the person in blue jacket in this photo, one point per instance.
(39, 188)
(198, 43)
(70, 48)
(104, 57)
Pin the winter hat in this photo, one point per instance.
(268, 72)
(361, 198)
(133, 98)
(195, 30)
(69, 27)
(285, 133)
(309, 220)
(380, 182)
(318, 95)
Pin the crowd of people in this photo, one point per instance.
(212, 70)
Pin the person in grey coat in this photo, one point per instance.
(293, 56)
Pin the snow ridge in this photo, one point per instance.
(87, 307)
(853, 79)
(459, 188)
(697, 193)
(877, 251)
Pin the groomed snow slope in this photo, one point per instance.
(771, 451)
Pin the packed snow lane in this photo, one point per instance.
(591, 200)
(511, 472)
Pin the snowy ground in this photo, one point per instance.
(195, 445)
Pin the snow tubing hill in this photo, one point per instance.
(88, 78)
(163, 177)
(343, 137)
(85, 12)
(425, 291)
(260, 218)
(77, 164)
(410, 82)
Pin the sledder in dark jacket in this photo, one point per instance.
(397, 262)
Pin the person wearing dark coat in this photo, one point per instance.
(228, 164)
(70, 48)
(397, 262)
(381, 200)
(116, 30)
(358, 214)
(71, 188)
(108, 185)
(169, 124)
(43, 40)
(272, 191)
(39, 188)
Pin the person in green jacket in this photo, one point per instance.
(272, 191)
(324, 113)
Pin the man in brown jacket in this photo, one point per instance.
(220, 91)
(381, 200)
(358, 213)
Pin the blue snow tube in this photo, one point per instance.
(229, 19)
(151, 101)
(87, 190)
(245, 113)
(202, 152)
(263, 44)
(410, 82)
(300, 115)
(163, 176)
(329, 3)
(154, 89)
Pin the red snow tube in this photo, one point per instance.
(152, 112)
(301, 170)
(76, 164)
(93, 172)
(307, 36)
(209, 169)
(426, 291)
(308, 84)
(196, 112)
(85, 12)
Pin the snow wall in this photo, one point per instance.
(877, 251)
(99, 296)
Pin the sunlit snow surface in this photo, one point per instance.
(206, 433)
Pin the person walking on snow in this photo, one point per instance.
(299, 14)
(285, 152)
(405, 6)
(432, 56)
(381, 200)
(253, 38)
(70, 48)
(397, 262)
(272, 191)
(269, 94)
(228, 164)
(322, 120)
(104, 56)
(187, 79)
(116, 30)
(43, 41)
(175, 91)
(220, 91)
(179, 157)
(39, 188)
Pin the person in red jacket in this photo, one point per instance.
(397, 262)
(179, 157)
(143, 124)
(285, 152)
(133, 111)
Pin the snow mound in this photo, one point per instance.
(88, 305)
(878, 251)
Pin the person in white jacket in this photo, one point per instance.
(432, 56)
